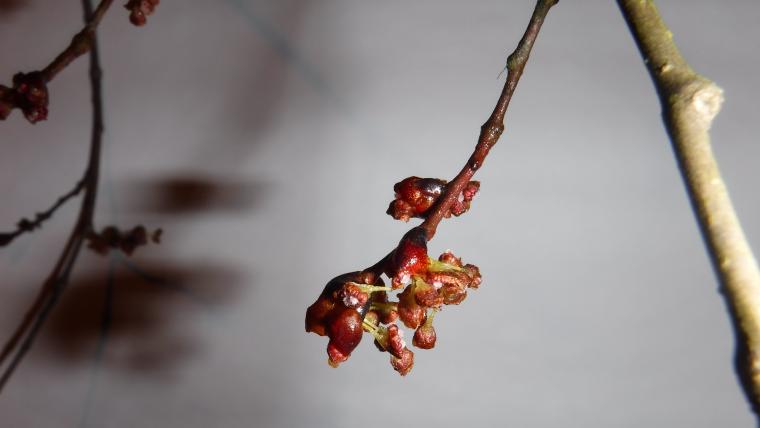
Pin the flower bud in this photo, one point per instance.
(396, 343)
(410, 313)
(409, 258)
(29, 94)
(317, 314)
(140, 10)
(414, 197)
(424, 336)
(345, 333)
(473, 272)
(403, 364)
(427, 295)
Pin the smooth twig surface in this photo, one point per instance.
(489, 132)
(26, 225)
(689, 104)
(494, 126)
(80, 44)
(24, 335)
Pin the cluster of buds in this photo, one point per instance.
(415, 196)
(427, 283)
(111, 238)
(29, 94)
(140, 10)
(339, 313)
(358, 302)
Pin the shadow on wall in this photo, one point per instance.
(187, 193)
(12, 5)
(145, 329)
(138, 315)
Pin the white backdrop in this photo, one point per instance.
(264, 137)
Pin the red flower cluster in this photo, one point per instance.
(140, 10)
(29, 93)
(358, 301)
(415, 196)
(339, 311)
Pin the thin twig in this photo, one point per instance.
(494, 126)
(80, 44)
(55, 284)
(689, 104)
(26, 225)
(489, 132)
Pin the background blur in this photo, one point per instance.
(264, 137)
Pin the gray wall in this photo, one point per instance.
(264, 137)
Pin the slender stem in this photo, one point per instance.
(689, 104)
(42, 297)
(494, 126)
(56, 282)
(30, 225)
(489, 132)
(80, 44)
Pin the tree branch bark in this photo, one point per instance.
(690, 102)
(494, 126)
(24, 335)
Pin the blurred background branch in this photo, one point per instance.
(690, 102)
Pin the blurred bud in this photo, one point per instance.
(29, 94)
(140, 10)
(403, 364)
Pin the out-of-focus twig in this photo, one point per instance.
(690, 102)
(24, 335)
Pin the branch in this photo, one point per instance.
(80, 44)
(489, 132)
(25, 225)
(54, 285)
(357, 302)
(29, 92)
(690, 102)
(494, 126)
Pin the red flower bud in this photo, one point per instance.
(462, 203)
(352, 296)
(409, 258)
(396, 344)
(410, 313)
(452, 294)
(318, 313)
(414, 196)
(338, 313)
(427, 295)
(345, 333)
(140, 10)
(424, 336)
(473, 272)
(449, 258)
(404, 364)
(29, 93)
